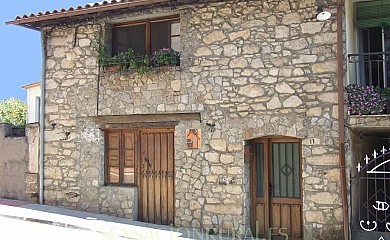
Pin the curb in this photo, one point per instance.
(59, 224)
(48, 222)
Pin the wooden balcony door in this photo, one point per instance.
(157, 176)
(276, 188)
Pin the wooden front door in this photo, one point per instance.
(276, 188)
(157, 176)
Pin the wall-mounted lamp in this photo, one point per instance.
(211, 126)
(321, 14)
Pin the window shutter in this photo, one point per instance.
(373, 14)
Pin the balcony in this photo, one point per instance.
(370, 69)
(370, 93)
(130, 61)
(140, 65)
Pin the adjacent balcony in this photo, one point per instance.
(370, 93)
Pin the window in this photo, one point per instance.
(146, 37)
(371, 63)
(37, 108)
(134, 155)
(120, 157)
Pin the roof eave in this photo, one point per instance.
(31, 21)
(30, 85)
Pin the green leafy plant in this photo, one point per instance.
(13, 111)
(166, 57)
(385, 94)
(103, 55)
(130, 61)
(144, 65)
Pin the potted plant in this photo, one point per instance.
(140, 64)
(166, 57)
(130, 61)
(107, 62)
(364, 100)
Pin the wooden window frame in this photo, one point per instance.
(121, 158)
(147, 22)
(137, 152)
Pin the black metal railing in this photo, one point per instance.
(369, 197)
(371, 69)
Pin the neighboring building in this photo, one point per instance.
(257, 79)
(13, 162)
(20, 152)
(32, 134)
(33, 101)
(368, 134)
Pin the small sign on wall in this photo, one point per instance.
(311, 141)
(194, 138)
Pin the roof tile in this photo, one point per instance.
(79, 10)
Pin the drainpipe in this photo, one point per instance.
(42, 120)
(340, 94)
(384, 59)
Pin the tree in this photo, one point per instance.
(13, 111)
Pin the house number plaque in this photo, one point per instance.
(193, 138)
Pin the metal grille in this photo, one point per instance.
(370, 197)
(371, 69)
(286, 171)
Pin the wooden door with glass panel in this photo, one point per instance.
(144, 158)
(276, 188)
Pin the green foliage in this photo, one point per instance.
(385, 94)
(130, 61)
(13, 111)
(103, 55)
(140, 64)
(166, 57)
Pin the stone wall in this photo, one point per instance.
(253, 68)
(31, 177)
(13, 163)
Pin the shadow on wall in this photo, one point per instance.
(11, 131)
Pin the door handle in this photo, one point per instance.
(147, 161)
(270, 189)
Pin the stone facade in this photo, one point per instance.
(253, 68)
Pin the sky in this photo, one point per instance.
(20, 48)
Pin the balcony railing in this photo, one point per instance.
(371, 69)
(140, 64)
(368, 92)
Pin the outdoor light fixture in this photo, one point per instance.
(321, 14)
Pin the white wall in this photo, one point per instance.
(33, 103)
(352, 41)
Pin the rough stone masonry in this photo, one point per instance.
(252, 68)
